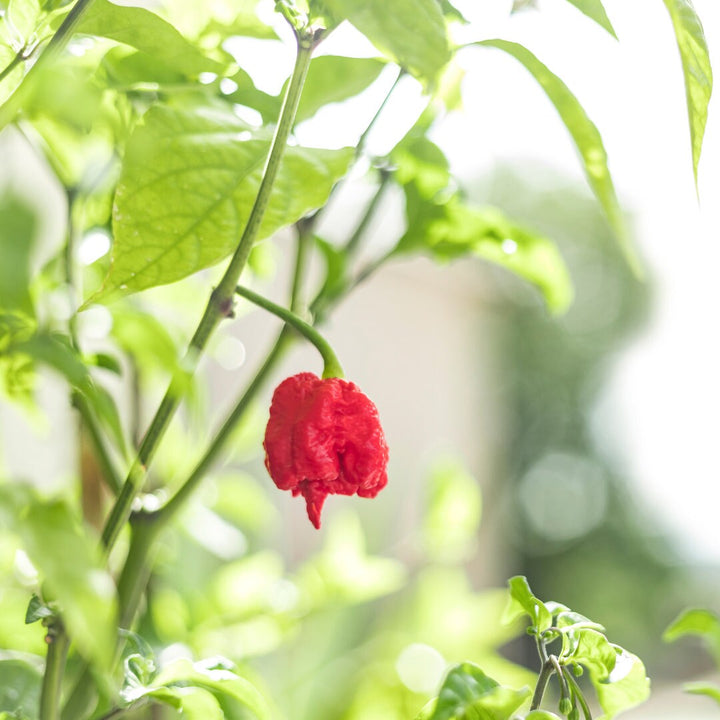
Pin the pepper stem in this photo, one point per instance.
(332, 364)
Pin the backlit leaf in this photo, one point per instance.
(523, 602)
(594, 9)
(586, 137)
(697, 621)
(696, 69)
(145, 31)
(188, 184)
(411, 32)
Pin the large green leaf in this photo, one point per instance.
(411, 32)
(20, 684)
(333, 78)
(586, 137)
(71, 566)
(469, 694)
(188, 184)
(627, 686)
(594, 9)
(145, 31)
(696, 69)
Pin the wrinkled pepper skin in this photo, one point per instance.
(324, 438)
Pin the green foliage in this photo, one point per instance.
(468, 693)
(410, 32)
(188, 183)
(696, 69)
(70, 563)
(585, 135)
(19, 688)
(594, 9)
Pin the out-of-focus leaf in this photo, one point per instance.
(453, 513)
(700, 688)
(13, 77)
(469, 694)
(20, 684)
(411, 32)
(17, 237)
(696, 621)
(218, 679)
(333, 78)
(189, 180)
(594, 9)
(23, 16)
(145, 31)
(542, 715)
(71, 565)
(586, 137)
(450, 228)
(343, 572)
(143, 336)
(56, 352)
(696, 69)
(16, 370)
(522, 602)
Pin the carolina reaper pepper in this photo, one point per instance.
(324, 438)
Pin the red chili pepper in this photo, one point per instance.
(323, 438)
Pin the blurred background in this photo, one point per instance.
(578, 450)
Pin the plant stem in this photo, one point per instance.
(57, 42)
(332, 364)
(221, 299)
(19, 57)
(352, 244)
(363, 138)
(58, 643)
(577, 692)
(545, 673)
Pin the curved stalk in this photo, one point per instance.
(332, 364)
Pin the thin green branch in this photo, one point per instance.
(107, 466)
(332, 364)
(221, 301)
(577, 692)
(369, 214)
(58, 643)
(364, 137)
(19, 57)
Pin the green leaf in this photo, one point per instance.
(523, 602)
(695, 621)
(696, 69)
(469, 694)
(217, 678)
(71, 564)
(20, 684)
(198, 704)
(37, 610)
(145, 31)
(700, 688)
(188, 183)
(410, 32)
(594, 9)
(542, 715)
(333, 78)
(450, 228)
(586, 137)
(23, 16)
(18, 227)
(55, 351)
(627, 686)
(453, 514)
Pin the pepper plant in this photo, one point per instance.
(160, 139)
